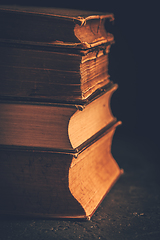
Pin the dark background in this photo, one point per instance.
(134, 61)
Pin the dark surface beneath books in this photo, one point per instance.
(131, 210)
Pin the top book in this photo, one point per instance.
(64, 28)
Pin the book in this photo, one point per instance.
(51, 75)
(53, 125)
(60, 185)
(56, 123)
(66, 53)
(60, 27)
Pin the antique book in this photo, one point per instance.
(60, 27)
(53, 125)
(57, 184)
(56, 123)
(55, 54)
(53, 76)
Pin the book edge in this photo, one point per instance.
(121, 172)
(81, 15)
(75, 152)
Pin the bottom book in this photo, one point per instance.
(57, 185)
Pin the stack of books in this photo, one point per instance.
(56, 123)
